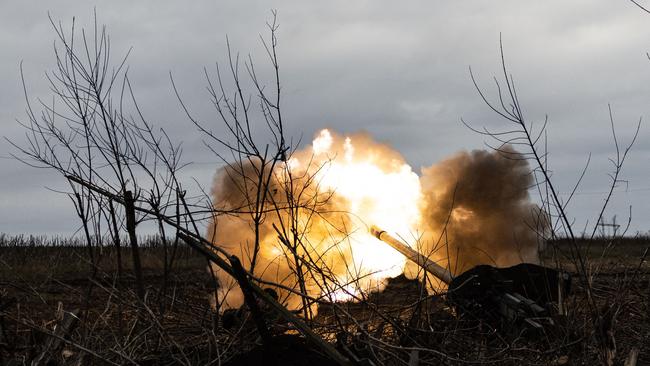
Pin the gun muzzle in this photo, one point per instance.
(427, 264)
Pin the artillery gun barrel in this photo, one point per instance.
(428, 265)
(489, 292)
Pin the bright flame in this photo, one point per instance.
(386, 196)
(319, 205)
(323, 200)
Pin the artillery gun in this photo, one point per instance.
(522, 294)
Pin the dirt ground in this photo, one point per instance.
(39, 284)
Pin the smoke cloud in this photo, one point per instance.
(236, 228)
(311, 214)
(476, 209)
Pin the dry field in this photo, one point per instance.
(43, 281)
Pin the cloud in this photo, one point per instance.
(398, 72)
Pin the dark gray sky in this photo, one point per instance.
(398, 71)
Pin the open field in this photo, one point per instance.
(39, 283)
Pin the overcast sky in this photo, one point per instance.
(398, 70)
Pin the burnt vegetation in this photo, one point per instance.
(112, 296)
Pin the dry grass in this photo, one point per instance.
(177, 325)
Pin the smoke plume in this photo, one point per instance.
(304, 222)
(243, 219)
(476, 209)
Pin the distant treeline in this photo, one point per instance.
(154, 241)
(21, 240)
